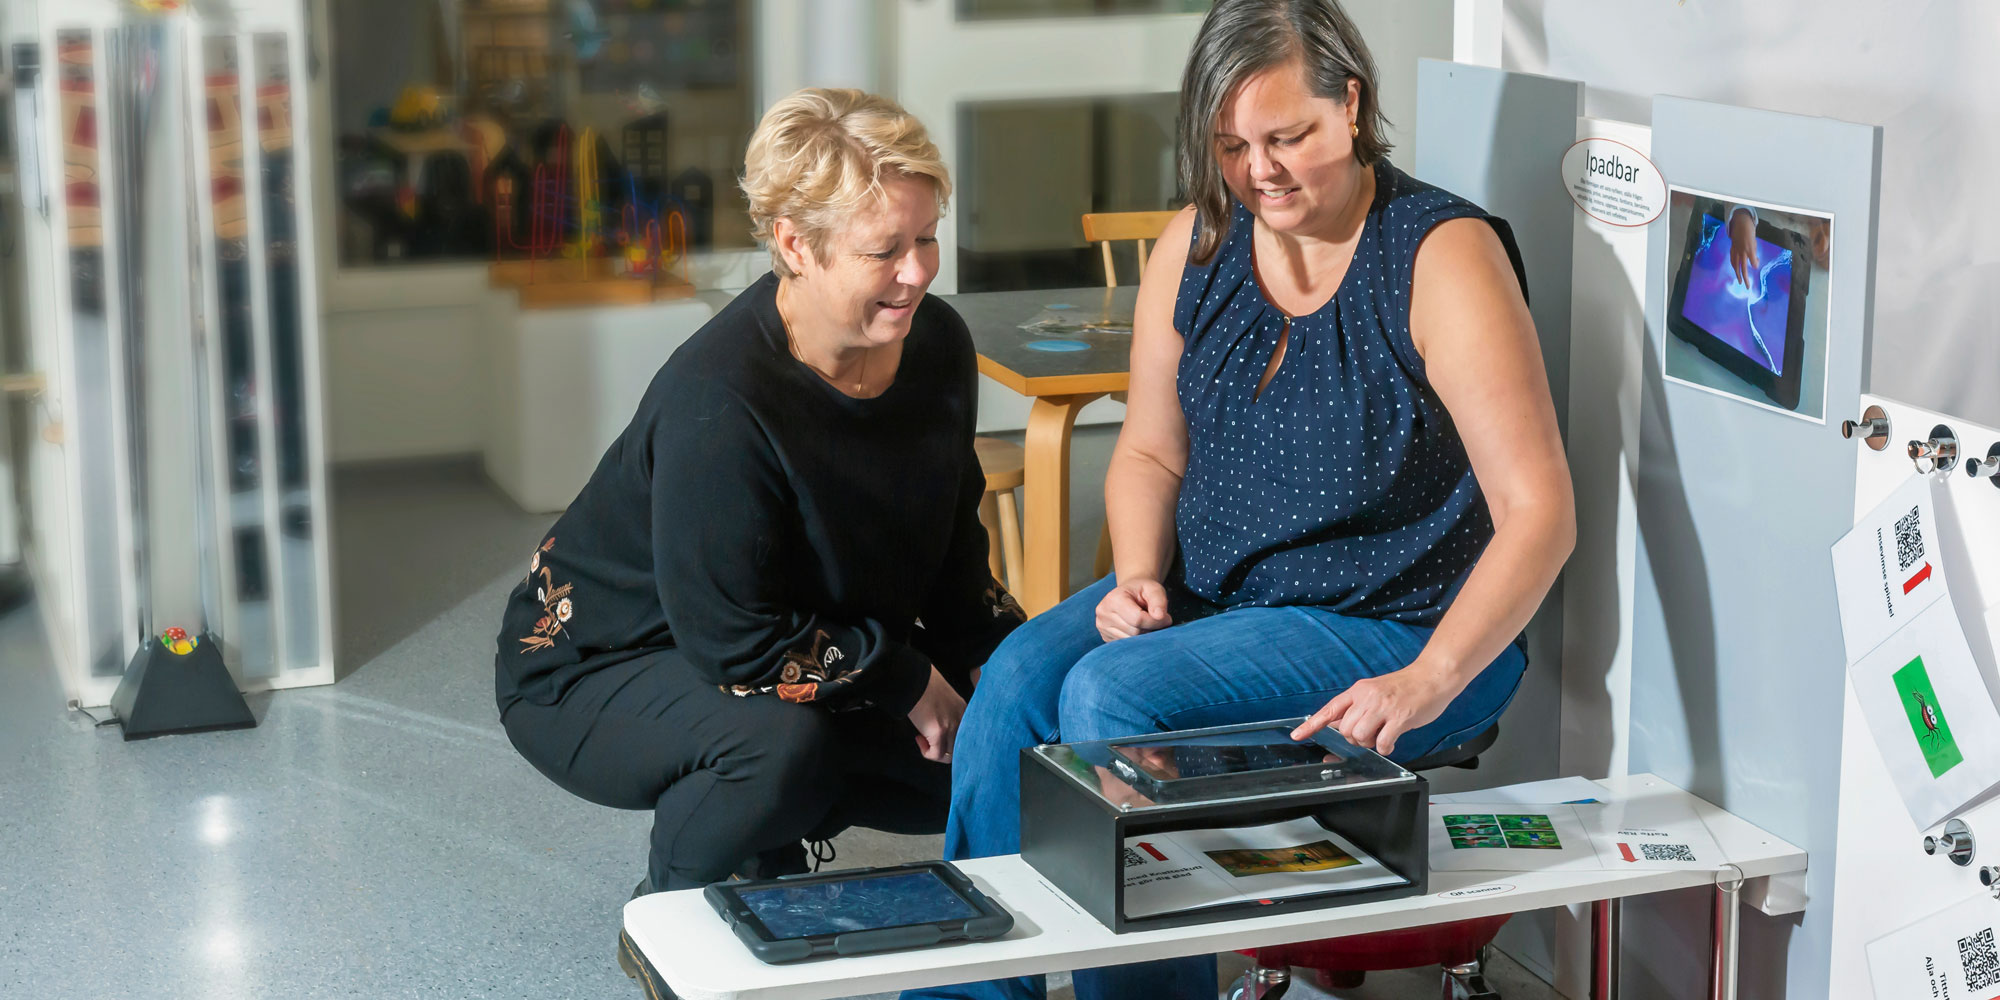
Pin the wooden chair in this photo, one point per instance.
(1002, 463)
(1104, 229)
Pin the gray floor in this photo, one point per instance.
(375, 838)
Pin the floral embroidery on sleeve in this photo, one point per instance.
(805, 675)
(1001, 604)
(556, 606)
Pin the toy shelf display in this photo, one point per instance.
(575, 251)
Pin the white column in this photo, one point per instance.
(1476, 32)
(840, 45)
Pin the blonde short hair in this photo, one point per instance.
(822, 154)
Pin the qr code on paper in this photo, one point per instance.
(1132, 858)
(1666, 852)
(1909, 540)
(1981, 961)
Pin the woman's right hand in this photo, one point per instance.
(936, 718)
(1133, 608)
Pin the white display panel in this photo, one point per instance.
(1736, 656)
(1883, 881)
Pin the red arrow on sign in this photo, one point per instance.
(1922, 575)
(1626, 850)
(1154, 851)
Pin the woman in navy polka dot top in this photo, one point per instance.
(1340, 491)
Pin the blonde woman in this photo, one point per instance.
(724, 628)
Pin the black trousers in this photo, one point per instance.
(727, 778)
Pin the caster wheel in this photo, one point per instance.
(1260, 984)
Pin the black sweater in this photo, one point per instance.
(786, 538)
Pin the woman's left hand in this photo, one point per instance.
(1376, 712)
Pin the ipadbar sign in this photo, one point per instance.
(1614, 183)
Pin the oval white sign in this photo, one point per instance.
(1613, 183)
(1476, 890)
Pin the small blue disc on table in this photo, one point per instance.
(1058, 345)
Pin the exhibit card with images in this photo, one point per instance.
(1190, 869)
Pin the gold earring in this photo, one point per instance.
(1354, 129)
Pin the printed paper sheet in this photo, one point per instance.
(1512, 837)
(1506, 837)
(1928, 708)
(1948, 954)
(1190, 869)
(1887, 570)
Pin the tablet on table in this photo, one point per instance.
(857, 911)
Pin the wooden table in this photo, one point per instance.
(1061, 384)
(701, 959)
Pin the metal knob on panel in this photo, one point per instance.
(1937, 454)
(1955, 844)
(1987, 468)
(1872, 428)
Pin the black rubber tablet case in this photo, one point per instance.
(991, 922)
(1782, 388)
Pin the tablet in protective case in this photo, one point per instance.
(1225, 761)
(857, 911)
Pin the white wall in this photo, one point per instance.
(1925, 72)
(402, 351)
(1882, 881)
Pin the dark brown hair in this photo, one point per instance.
(1241, 38)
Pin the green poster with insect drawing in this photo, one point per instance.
(1930, 714)
(1920, 704)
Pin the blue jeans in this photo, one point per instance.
(1055, 681)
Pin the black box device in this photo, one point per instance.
(857, 911)
(1180, 828)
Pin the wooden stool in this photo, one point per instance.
(1002, 462)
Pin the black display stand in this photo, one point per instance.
(164, 692)
(1075, 837)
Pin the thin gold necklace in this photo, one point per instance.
(792, 344)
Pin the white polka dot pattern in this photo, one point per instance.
(1344, 484)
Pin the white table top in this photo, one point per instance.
(700, 957)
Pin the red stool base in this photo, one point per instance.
(1455, 943)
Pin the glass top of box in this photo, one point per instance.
(1226, 763)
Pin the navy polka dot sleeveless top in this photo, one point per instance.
(1344, 484)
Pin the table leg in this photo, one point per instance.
(1604, 949)
(1045, 492)
(1722, 968)
(989, 518)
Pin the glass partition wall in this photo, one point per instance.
(190, 346)
(1029, 169)
(235, 370)
(102, 594)
(467, 130)
(298, 567)
(1048, 109)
